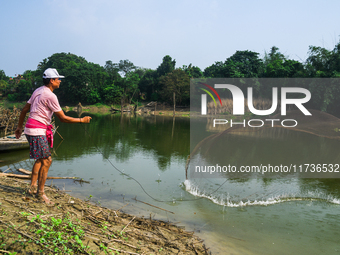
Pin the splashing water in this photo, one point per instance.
(229, 194)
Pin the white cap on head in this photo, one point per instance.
(52, 73)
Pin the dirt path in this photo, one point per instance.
(74, 226)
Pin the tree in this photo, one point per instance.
(278, 66)
(126, 66)
(216, 70)
(177, 82)
(3, 75)
(24, 90)
(112, 71)
(167, 66)
(192, 71)
(148, 85)
(273, 55)
(113, 94)
(3, 87)
(335, 61)
(84, 81)
(324, 63)
(318, 63)
(130, 86)
(243, 64)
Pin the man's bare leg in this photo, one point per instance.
(42, 176)
(34, 176)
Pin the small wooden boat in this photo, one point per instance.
(11, 143)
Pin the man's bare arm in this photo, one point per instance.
(63, 118)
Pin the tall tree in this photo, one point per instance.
(322, 62)
(243, 64)
(318, 63)
(177, 82)
(192, 71)
(278, 66)
(148, 85)
(167, 66)
(84, 81)
(3, 82)
(3, 75)
(216, 70)
(3, 87)
(126, 66)
(273, 55)
(112, 70)
(129, 82)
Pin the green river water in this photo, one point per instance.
(144, 158)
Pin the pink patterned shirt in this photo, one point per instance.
(43, 104)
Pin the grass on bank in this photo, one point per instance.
(75, 226)
(4, 103)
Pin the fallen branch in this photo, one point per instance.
(123, 251)
(122, 207)
(81, 181)
(120, 241)
(15, 175)
(193, 246)
(12, 201)
(97, 241)
(29, 177)
(24, 171)
(6, 170)
(10, 188)
(127, 224)
(61, 177)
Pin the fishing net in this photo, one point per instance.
(264, 161)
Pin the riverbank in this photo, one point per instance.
(74, 226)
(162, 110)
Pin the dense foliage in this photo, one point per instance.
(124, 83)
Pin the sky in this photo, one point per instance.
(199, 32)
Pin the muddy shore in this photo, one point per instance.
(74, 226)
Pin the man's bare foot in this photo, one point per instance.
(43, 198)
(33, 189)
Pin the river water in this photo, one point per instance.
(132, 157)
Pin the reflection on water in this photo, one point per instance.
(14, 159)
(121, 137)
(154, 150)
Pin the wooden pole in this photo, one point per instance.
(174, 103)
(59, 134)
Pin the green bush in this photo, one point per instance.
(13, 97)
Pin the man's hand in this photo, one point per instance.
(86, 119)
(18, 132)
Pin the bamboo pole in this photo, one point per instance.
(20, 176)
